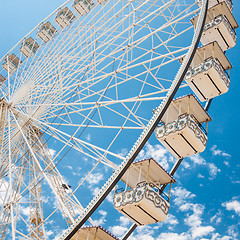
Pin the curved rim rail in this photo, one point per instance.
(147, 132)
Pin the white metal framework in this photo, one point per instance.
(82, 88)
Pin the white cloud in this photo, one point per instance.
(88, 137)
(233, 232)
(101, 220)
(94, 178)
(233, 205)
(60, 232)
(124, 221)
(110, 196)
(218, 152)
(103, 213)
(185, 207)
(185, 164)
(69, 167)
(25, 211)
(216, 236)
(174, 236)
(50, 152)
(197, 159)
(95, 190)
(213, 170)
(181, 195)
(171, 220)
(142, 237)
(118, 231)
(194, 220)
(216, 218)
(158, 152)
(49, 233)
(236, 182)
(202, 231)
(121, 229)
(123, 152)
(143, 233)
(227, 163)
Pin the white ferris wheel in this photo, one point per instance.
(85, 82)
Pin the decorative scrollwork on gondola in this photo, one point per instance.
(158, 201)
(180, 124)
(137, 194)
(216, 21)
(205, 66)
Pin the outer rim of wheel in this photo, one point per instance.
(147, 132)
(141, 141)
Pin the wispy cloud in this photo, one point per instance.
(171, 222)
(143, 233)
(174, 236)
(94, 178)
(124, 221)
(213, 170)
(233, 205)
(216, 218)
(88, 137)
(181, 195)
(217, 152)
(101, 220)
(159, 153)
(198, 160)
(202, 231)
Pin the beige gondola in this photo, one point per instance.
(35, 219)
(144, 203)
(64, 17)
(11, 63)
(212, 3)
(207, 75)
(101, 1)
(46, 31)
(2, 79)
(82, 6)
(181, 131)
(93, 233)
(29, 47)
(220, 26)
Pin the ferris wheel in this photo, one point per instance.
(77, 100)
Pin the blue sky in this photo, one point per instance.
(205, 202)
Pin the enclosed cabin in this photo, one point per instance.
(2, 79)
(181, 129)
(208, 75)
(101, 1)
(212, 3)
(142, 200)
(11, 63)
(29, 47)
(64, 17)
(46, 31)
(93, 233)
(82, 6)
(35, 218)
(36, 221)
(220, 26)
